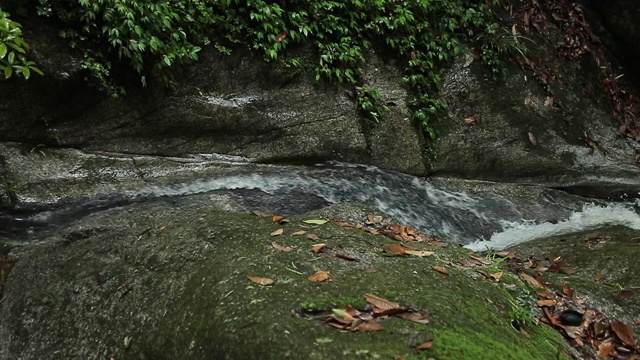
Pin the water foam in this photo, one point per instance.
(590, 217)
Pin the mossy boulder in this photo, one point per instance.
(164, 280)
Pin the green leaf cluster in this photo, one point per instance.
(152, 36)
(13, 50)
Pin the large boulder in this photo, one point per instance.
(235, 105)
(547, 122)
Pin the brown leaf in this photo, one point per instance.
(624, 333)
(261, 213)
(345, 257)
(531, 281)
(319, 248)
(413, 56)
(369, 326)
(282, 247)
(604, 349)
(567, 290)
(441, 269)
(398, 357)
(506, 254)
(371, 270)
(425, 345)
(396, 249)
(543, 303)
(480, 259)
(419, 253)
(469, 120)
(261, 280)
(277, 232)
(281, 36)
(298, 233)
(313, 237)
(319, 275)
(492, 276)
(381, 303)
(415, 317)
(599, 276)
(277, 218)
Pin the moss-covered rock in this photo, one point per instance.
(159, 280)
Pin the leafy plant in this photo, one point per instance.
(153, 36)
(369, 102)
(13, 50)
(10, 191)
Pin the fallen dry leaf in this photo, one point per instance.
(624, 333)
(480, 259)
(567, 290)
(605, 348)
(369, 326)
(313, 237)
(530, 280)
(419, 253)
(277, 232)
(277, 218)
(396, 249)
(282, 247)
(298, 233)
(371, 270)
(381, 303)
(346, 257)
(415, 317)
(441, 269)
(318, 248)
(319, 275)
(261, 280)
(469, 120)
(425, 345)
(548, 302)
(599, 276)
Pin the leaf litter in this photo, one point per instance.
(368, 319)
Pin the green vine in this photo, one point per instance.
(152, 36)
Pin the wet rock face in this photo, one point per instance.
(236, 105)
(560, 133)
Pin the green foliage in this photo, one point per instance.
(13, 50)
(152, 36)
(369, 102)
(10, 192)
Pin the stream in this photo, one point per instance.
(479, 215)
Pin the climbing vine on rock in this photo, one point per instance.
(152, 36)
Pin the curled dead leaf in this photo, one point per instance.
(277, 232)
(531, 281)
(547, 302)
(625, 334)
(396, 249)
(298, 233)
(282, 247)
(441, 269)
(319, 276)
(425, 345)
(319, 248)
(420, 253)
(261, 280)
(379, 302)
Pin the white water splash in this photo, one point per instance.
(591, 217)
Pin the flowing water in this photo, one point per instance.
(480, 217)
